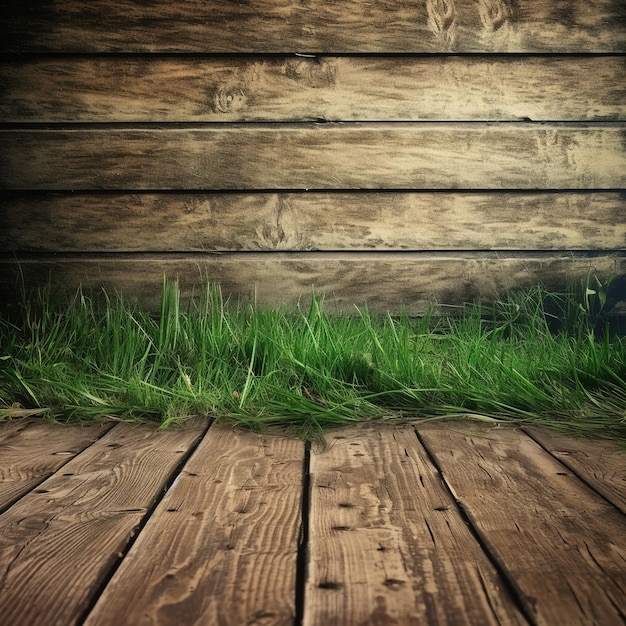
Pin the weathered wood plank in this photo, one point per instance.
(58, 543)
(221, 547)
(32, 450)
(600, 463)
(560, 542)
(216, 89)
(309, 156)
(75, 222)
(383, 281)
(386, 543)
(291, 25)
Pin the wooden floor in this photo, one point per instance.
(452, 524)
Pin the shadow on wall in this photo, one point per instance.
(596, 306)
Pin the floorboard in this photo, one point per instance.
(32, 451)
(221, 548)
(58, 543)
(387, 543)
(560, 544)
(600, 464)
(442, 523)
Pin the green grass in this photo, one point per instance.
(307, 370)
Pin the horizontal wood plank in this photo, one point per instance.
(221, 548)
(186, 222)
(230, 89)
(316, 25)
(561, 543)
(54, 562)
(32, 451)
(383, 281)
(386, 543)
(323, 156)
(600, 463)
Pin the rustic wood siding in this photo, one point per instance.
(384, 152)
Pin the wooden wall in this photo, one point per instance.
(388, 152)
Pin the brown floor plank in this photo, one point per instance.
(387, 544)
(59, 541)
(221, 547)
(32, 450)
(600, 463)
(562, 544)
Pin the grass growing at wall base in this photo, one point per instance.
(531, 358)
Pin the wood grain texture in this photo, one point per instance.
(599, 463)
(86, 516)
(386, 543)
(33, 450)
(186, 222)
(265, 88)
(383, 281)
(380, 511)
(561, 543)
(315, 25)
(309, 156)
(221, 547)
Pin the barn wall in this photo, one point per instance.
(387, 152)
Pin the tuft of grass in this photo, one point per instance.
(532, 357)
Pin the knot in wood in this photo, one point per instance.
(313, 72)
(442, 19)
(228, 100)
(495, 13)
